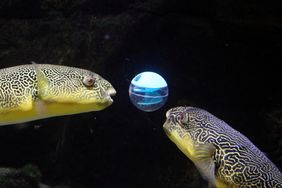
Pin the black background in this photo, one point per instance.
(223, 56)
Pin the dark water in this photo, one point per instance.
(220, 56)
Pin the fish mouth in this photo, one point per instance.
(109, 94)
(167, 132)
(166, 129)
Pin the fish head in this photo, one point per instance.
(177, 120)
(79, 90)
(94, 89)
(187, 120)
(181, 126)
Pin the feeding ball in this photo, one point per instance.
(148, 91)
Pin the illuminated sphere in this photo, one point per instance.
(148, 91)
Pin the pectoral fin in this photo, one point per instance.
(204, 161)
(45, 93)
(42, 84)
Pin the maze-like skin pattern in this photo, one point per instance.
(19, 84)
(239, 163)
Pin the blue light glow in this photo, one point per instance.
(148, 91)
(149, 80)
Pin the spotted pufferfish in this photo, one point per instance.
(223, 156)
(36, 91)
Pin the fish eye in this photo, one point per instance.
(180, 117)
(89, 81)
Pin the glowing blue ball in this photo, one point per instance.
(148, 91)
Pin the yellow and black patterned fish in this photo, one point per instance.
(37, 91)
(223, 156)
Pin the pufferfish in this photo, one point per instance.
(223, 156)
(37, 91)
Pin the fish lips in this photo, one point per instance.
(166, 127)
(109, 94)
(107, 100)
